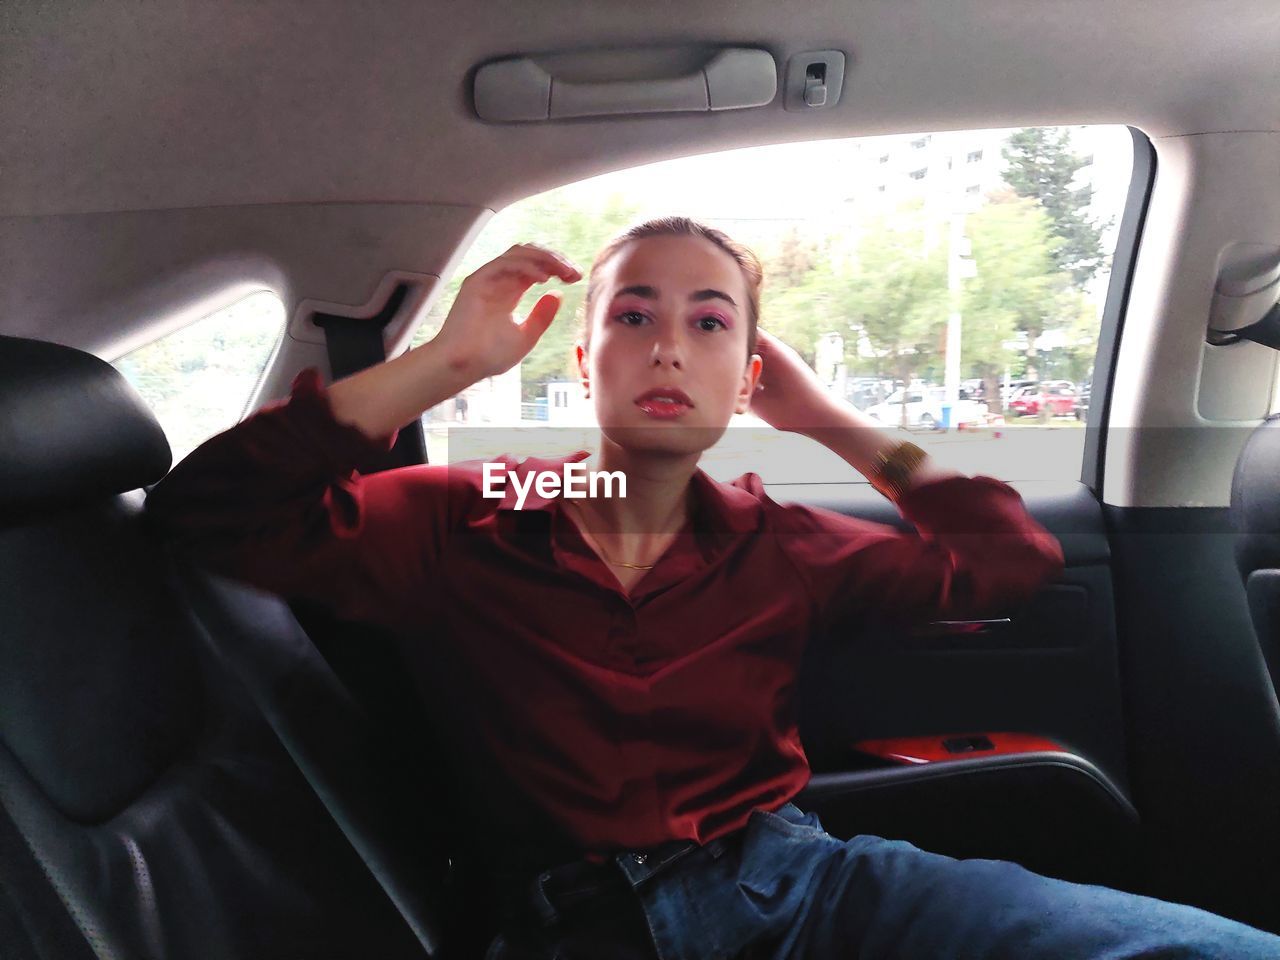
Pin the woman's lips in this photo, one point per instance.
(663, 409)
(664, 403)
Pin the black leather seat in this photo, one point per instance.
(180, 774)
(1255, 514)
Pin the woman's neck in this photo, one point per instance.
(658, 495)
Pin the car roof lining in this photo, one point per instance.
(189, 104)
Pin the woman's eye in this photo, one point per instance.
(711, 323)
(632, 318)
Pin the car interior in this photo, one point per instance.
(193, 768)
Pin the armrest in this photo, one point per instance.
(1068, 769)
(1054, 812)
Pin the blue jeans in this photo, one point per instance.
(787, 889)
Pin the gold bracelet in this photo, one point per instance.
(891, 472)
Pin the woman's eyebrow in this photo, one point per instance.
(651, 293)
(640, 290)
(712, 295)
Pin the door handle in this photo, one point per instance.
(944, 628)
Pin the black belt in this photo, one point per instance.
(561, 892)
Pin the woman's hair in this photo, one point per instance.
(748, 262)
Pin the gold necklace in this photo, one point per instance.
(629, 566)
(607, 558)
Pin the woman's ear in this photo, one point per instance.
(580, 358)
(747, 388)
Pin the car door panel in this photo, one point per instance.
(1051, 670)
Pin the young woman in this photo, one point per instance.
(626, 667)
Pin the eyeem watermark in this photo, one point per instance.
(574, 483)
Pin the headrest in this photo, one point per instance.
(71, 429)
(1255, 499)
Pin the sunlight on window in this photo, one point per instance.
(199, 379)
(1003, 237)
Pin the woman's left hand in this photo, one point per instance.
(789, 395)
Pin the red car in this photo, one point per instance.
(1060, 395)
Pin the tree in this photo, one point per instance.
(896, 294)
(1043, 166)
(802, 295)
(1082, 337)
(1018, 286)
(795, 259)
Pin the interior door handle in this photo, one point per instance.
(942, 628)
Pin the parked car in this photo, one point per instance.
(977, 389)
(864, 392)
(924, 409)
(1059, 394)
(1014, 387)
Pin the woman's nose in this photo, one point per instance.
(666, 352)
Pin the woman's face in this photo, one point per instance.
(667, 364)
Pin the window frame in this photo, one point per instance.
(1123, 261)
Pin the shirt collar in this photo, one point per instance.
(533, 501)
(723, 507)
(719, 508)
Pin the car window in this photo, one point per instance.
(859, 260)
(199, 379)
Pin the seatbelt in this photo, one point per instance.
(356, 345)
(1266, 332)
(256, 638)
(45, 928)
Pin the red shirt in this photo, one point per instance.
(627, 720)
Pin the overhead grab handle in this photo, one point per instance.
(524, 90)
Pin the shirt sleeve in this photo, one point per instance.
(976, 553)
(278, 502)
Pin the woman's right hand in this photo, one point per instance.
(481, 335)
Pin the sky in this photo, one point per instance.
(805, 180)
